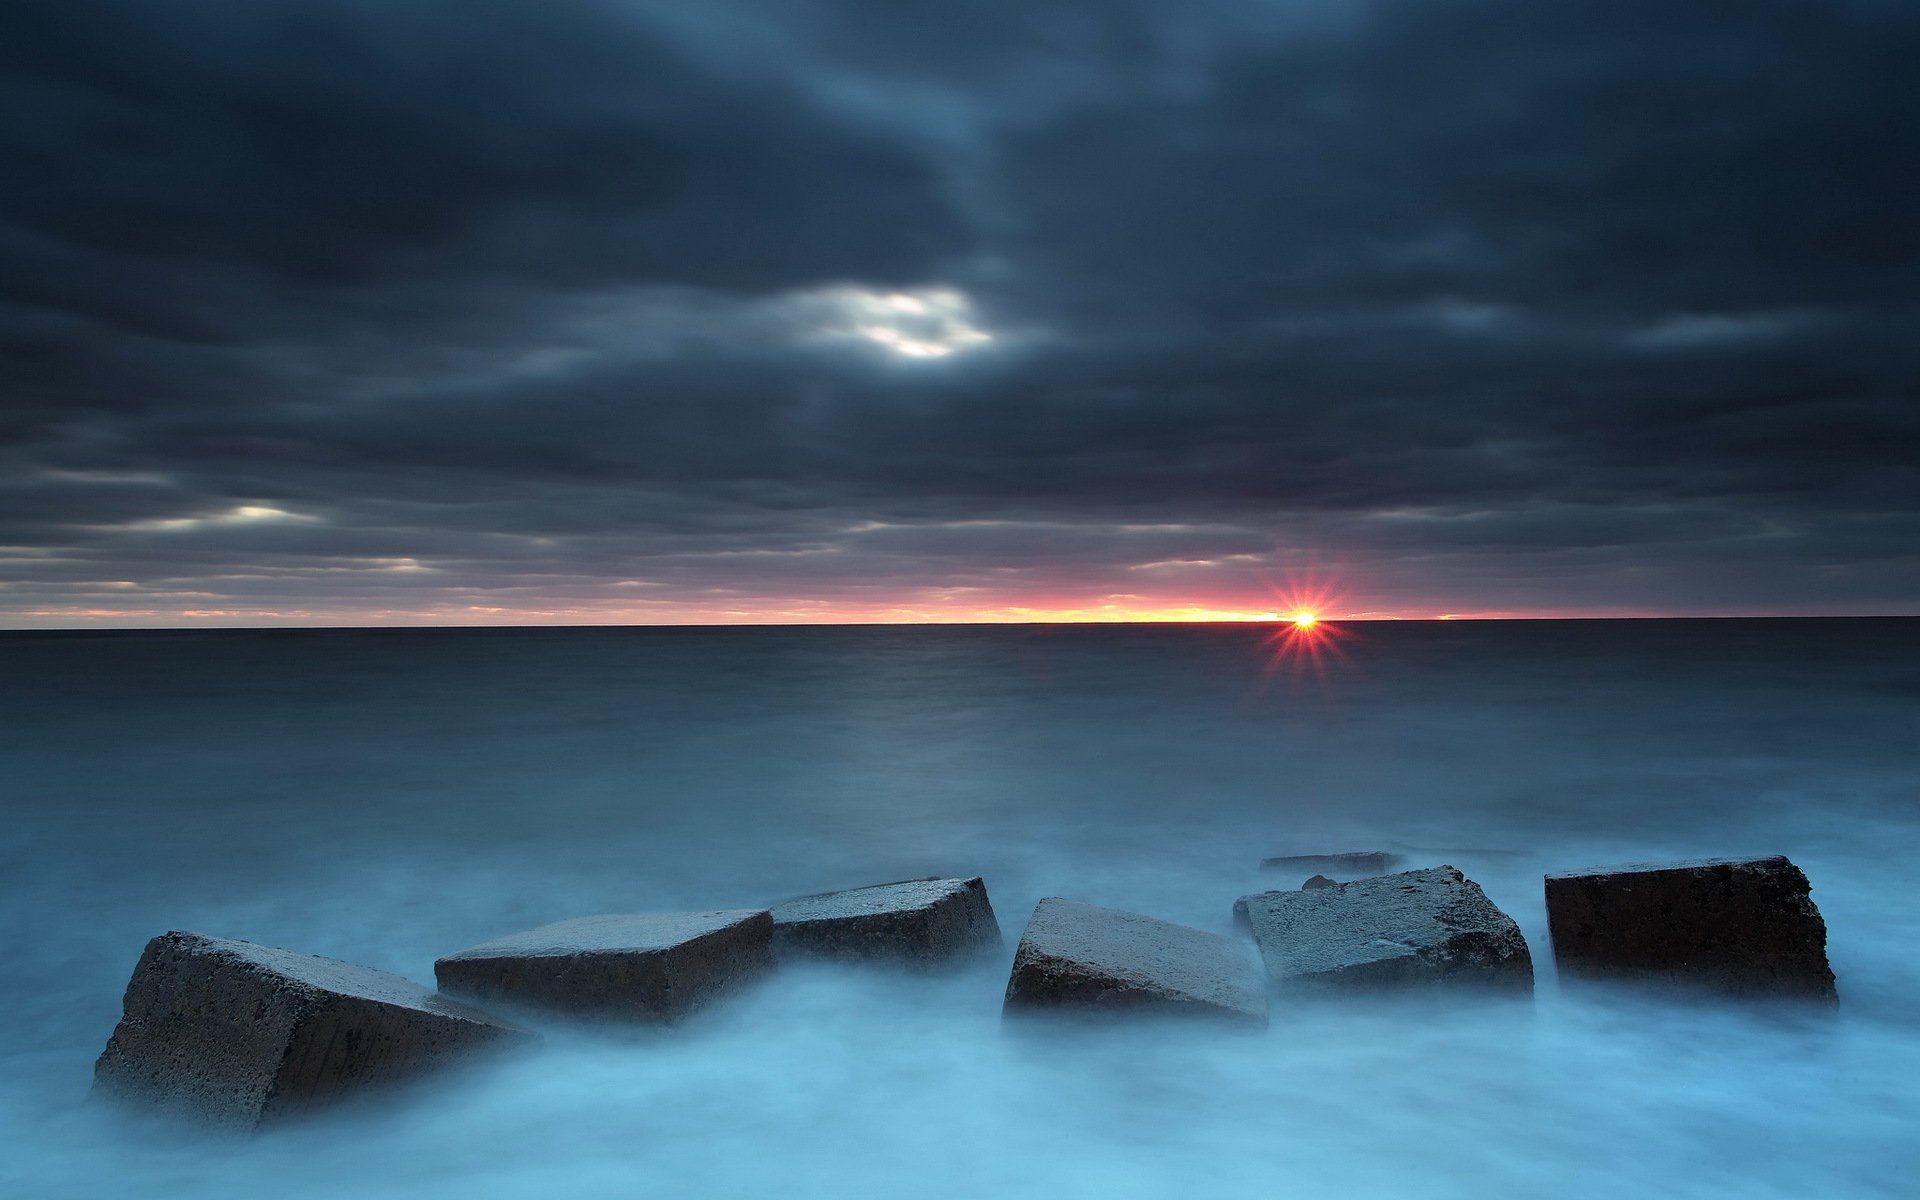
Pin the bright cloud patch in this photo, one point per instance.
(931, 322)
(245, 514)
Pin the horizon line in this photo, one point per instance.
(419, 626)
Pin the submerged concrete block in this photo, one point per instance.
(1736, 926)
(1076, 956)
(1418, 927)
(920, 921)
(1356, 865)
(641, 967)
(238, 1035)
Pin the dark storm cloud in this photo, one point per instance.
(339, 142)
(336, 306)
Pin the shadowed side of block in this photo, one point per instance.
(1744, 927)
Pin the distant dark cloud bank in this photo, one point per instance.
(454, 310)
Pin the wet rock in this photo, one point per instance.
(1353, 866)
(1744, 927)
(919, 921)
(647, 967)
(237, 1035)
(1076, 956)
(1416, 928)
(1318, 881)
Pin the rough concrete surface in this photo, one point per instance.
(1076, 956)
(647, 967)
(1433, 926)
(1744, 927)
(238, 1035)
(921, 921)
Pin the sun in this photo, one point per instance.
(1304, 619)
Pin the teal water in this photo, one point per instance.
(389, 796)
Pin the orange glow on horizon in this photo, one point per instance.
(1300, 618)
(461, 615)
(1107, 610)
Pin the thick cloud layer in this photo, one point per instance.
(602, 309)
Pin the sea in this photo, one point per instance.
(390, 796)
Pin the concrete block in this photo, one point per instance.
(238, 1035)
(1745, 927)
(1390, 931)
(1353, 865)
(647, 967)
(922, 921)
(1080, 957)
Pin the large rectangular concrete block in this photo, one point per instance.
(1744, 927)
(238, 1035)
(646, 967)
(1392, 931)
(921, 921)
(1080, 957)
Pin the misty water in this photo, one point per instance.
(387, 797)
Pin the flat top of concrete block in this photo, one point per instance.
(864, 901)
(613, 933)
(1368, 920)
(331, 975)
(1146, 951)
(1768, 862)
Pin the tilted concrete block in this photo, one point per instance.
(920, 921)
(1080, 957)
(239, 1035)
(647, 967)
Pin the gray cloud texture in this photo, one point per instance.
(339, 309)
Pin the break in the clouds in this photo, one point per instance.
(618, 310)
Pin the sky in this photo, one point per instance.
(493, 311)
